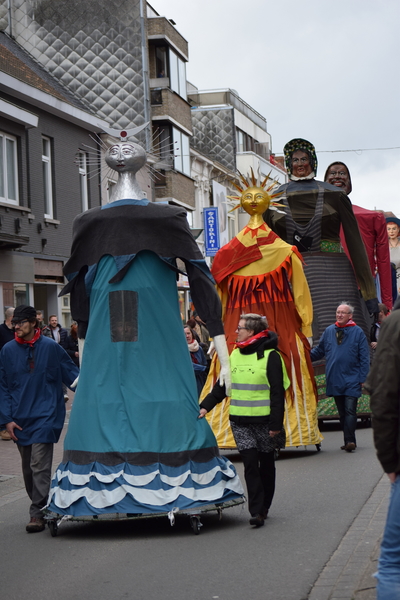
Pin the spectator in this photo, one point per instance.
(200, 328)
(6, 335)
(40, 319)
(55, 331)
(347, 363)
(59, 335)
(198, 358)
(376, 327)
(71, 344)
(32, 369)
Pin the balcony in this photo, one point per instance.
(159, 28)
(173, 185)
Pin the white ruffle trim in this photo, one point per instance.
(100, 499)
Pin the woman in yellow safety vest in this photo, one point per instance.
(259, 381)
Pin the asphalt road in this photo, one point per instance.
(318, 496)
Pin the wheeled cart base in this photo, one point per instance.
(54, 520)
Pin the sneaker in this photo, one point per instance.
(4, 435)
(350, 446)
(35, 524)
(257, 520)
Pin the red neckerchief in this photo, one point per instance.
(349, 323)
(253, 339)
(32, 341)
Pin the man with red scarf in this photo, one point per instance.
(257, 406)
(32, 370)
(345, 347)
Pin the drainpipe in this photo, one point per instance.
(145, 67)
(9, 7)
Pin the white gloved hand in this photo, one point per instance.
(211, 350)
(81, 345)
(223, 356)
(310, 341)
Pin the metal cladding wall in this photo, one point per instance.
(214, 134)
(94, 47)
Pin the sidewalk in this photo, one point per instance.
(348, 574)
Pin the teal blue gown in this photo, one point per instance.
(134, 442)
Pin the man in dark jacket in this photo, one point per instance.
(347, 364)
(55, 331)
(259, 380)
(32, 370)
(383, 383)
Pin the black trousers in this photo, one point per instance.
(259, 473)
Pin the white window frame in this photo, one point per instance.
(47, 179)
(5, 168)
(181, 151)
(177, 74)
(83, 180)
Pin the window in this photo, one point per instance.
(161, 61)
(8, 169)
(83, 181)
(244, 142)
(15, 294)
(47, 179)
(239, 140)
(177, 74)
(181, 151)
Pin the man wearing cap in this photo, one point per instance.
(32, 370)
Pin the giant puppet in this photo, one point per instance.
(134, 443)
(314, 212)
(257, 272)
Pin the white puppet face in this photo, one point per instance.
(126, 156)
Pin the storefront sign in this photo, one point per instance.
(211, 230)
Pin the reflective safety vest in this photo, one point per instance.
(250, 386)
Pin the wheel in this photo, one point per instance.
(195, 524)
(53, 528)
(318, 447)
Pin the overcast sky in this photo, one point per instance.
(325, 71)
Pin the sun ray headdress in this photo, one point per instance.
(253, 181)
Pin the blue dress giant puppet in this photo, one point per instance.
(134, 442)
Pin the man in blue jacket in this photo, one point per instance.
(32, 370)
(345, 347)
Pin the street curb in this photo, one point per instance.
(348, 573)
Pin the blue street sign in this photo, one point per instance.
(211, 230)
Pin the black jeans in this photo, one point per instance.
(347, 408)
(259, 473)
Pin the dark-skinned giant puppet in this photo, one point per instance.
(314, 212)
(134, 443)
(257, 272)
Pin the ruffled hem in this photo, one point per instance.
(95, 488)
